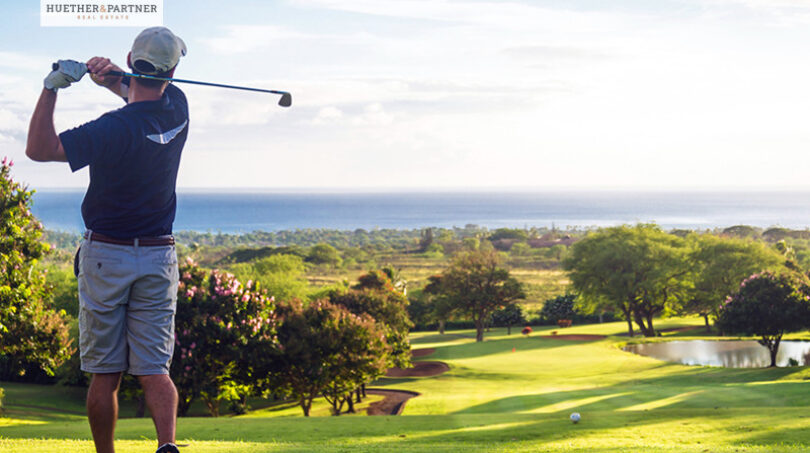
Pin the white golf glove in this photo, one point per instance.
(65, 73)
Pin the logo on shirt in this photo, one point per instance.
(167, 136)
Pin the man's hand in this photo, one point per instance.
(99, 68)
(66, 72)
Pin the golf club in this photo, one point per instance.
(285, 101)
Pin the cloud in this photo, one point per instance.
(26, 62)
(544, 52)
(327, 115)
(507, 13)
(249, 38)
(12, 122)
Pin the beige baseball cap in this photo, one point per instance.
(156, 50)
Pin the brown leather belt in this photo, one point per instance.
(142, 242)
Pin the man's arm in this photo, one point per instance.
(43, 144)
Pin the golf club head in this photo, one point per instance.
(286, 100)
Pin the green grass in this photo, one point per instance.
(509, 393)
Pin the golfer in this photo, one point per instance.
(127, 265)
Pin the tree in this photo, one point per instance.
(719, 265)
(768, 306)
(475, 286)
(279, 275)
(323, 349)
(222, 330)
(324, 254)
(742, 231)
(638, 270)
(376, 295)
(32, 336)
(425, 239)
(508, 316)
(509, 234)
(560, 307)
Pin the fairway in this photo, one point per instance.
(509, 393)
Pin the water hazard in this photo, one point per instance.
(730, 354)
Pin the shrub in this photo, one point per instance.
(559, 308)
(508, 316)
(323, 349)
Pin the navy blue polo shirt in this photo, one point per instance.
(133, 154)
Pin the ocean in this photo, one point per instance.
(243, 211)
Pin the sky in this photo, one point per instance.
(424, 94)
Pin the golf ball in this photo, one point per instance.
(575, 417)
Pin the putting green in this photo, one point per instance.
(509, 393)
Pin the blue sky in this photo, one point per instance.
(395, 94)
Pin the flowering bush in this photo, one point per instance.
(526, 330)
(220, 327)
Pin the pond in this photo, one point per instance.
(730, 354)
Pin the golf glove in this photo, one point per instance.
(65, 73)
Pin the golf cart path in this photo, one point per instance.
(392, 404)
(394, 401)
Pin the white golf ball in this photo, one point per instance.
(575, 417)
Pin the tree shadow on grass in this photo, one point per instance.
(497, 346)
(700, 388)
(442, 338)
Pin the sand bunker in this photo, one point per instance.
(422, 352)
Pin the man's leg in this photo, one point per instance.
(161, 399)
(102, 409)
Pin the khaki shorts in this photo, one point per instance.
(127, 302)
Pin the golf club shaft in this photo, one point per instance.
(220, 85)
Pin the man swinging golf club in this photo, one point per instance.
(127, 264)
